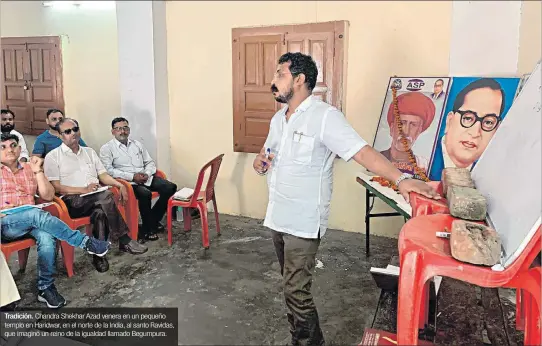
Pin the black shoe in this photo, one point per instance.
(194, 214)
(51, 297)
(100, 263)
(160, 228)
(143, 238)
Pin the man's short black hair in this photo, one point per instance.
(9, 137)
(439, 80)
(54, 110)
(118, 120)
(7, 111)
(479, 84)
(301, 64)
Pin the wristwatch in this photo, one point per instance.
(403, 177)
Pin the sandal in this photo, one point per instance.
(151, 236)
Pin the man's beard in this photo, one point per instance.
(283, 98)
(6, 128)
(54, 128)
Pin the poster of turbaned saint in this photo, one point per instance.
(421, 103)
(475, 108)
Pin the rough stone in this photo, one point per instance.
(466, 203)
(452, 176)
(475, 243)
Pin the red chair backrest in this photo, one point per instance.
(214, 165)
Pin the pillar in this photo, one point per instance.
(144, 92)
(485, 38)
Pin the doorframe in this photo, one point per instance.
(59, 66)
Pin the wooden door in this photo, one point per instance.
(14, 76)
(31, 80)
(258, 56)
(319, 45)
(255, 54)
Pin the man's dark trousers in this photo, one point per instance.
(152, 216)
(297, 259)
(107, 222)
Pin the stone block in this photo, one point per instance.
(455, 176)
(466, 203)
(475, 243)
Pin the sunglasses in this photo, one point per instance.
(68, 131)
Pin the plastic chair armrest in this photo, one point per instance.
(160, 174)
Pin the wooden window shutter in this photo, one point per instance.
(254, 105)
(320, 47)
(15, 71)
(255, 55)
(31, 80)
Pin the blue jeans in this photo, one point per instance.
(45, 229)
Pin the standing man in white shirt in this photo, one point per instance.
(128, 159)
(7, 126)
(298, 157)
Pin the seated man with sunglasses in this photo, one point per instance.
(75, 170)
(128, 159)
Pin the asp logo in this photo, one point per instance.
(415, 84)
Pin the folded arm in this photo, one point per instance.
(106, 179)
(67, 190)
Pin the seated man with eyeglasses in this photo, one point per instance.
(128, 159)
(75, 170)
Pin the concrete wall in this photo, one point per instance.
(89, 54)
(530, 36)
(386, 38)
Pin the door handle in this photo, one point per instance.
(25, 86)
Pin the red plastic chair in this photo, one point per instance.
(64, 215)
(132, 206)
(22, 247)
(423, 256)
(199, 200)
(422, 205)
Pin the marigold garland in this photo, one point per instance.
(419, 173)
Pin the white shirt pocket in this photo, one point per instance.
(302, 148)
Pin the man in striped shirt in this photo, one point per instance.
(19, 183)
